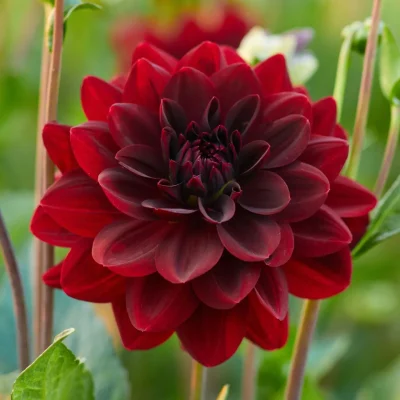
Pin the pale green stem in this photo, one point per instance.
(198, 382)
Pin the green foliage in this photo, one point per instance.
(55, 375)
(70, 7)
(385, 221)
(390, 67)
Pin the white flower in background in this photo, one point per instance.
(258, 45)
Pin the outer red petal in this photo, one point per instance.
(263, 329)
(207, 57)
(308, 188)
(57, 142)
(349, 199)
(272, 292)
(324, 117)
(319, 278)
(154, 55)
(328, 154)
(322, 234)
(132, 338)
(93, 147)
(128, 247)
(46, 229)
(52, 277)
(280, 105)
(212, 336)
(78, 204)
(285, 249)
(273, 75)
(145, 84)
(156, 305)
(228, 283)
(83, 279)
(97, 97)
(188, 251)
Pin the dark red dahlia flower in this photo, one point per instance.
(184, 195)
(225, 26)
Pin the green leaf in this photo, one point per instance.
(70, 6)
(390, 66)
(55, 375)
(385, 221)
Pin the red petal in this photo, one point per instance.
(154, 55)
(233, 83)
(252, 156)
(128, 247)
(350, 199)
(264, 193)
(188, 251)
(358, 226)
(83, 279)
(207, 57)
(249, 237)
(324, 117)
(272, 292)
(142, 160)
(126, 191)
(167, 208)
(221, 210)
(52, 277)
(97, 97)
(145, 84)
(308, 188)
(192, 90)
(57, 142)
(212, 336)
(340, 133)
(288, 138)
(78, 204)
(319, 278)
(231, 56)
(46, 229)
(328, 154)
(285, 249)
(132, 338)
(93, 147)
(156, 305)
(321, 234)
(280, 105)
(263, 329)
(273, 75)
(228, 283)
(134, 124)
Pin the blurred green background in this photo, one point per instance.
(356, 352)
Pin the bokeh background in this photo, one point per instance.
(356, 352)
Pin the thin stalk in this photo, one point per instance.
(249, 373)
(341, 74)
(303, 341)
(17, 294)
(38, 248)
(394, 131)
(48, 166)
(365, 93)
(198, 382)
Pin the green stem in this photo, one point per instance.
(341, 74)
(48, 166)
(198, 382)
(365, 93)
(303, 341)
(17, 294)
(390, 150)
(249, 373)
